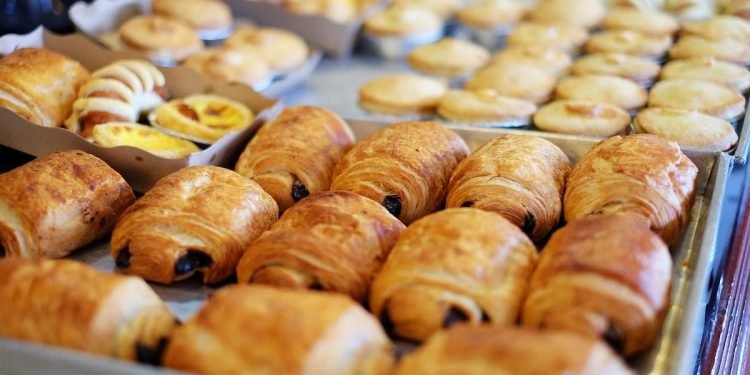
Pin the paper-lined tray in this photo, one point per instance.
(101, 19)
(139, 167)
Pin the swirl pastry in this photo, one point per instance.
(281, 49)
(333, 241)
(67, 304)
(239, 65)
(118, 92)
(301, 333)
(641, 175)
(294, 155)
(602, 276)
(198, 219)
(518, 176)
(58, 203)
(457, 265)
(405, 167)
(40, 85)
(488, 350)
(202, 118)
(146, 138)
(161, 38)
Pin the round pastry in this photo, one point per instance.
(619, 91)
(640, 70)
(553, 61)
(202, 118)
(708, 69)
(341, 11)
(449, 57)
(582, 117)
(402, 94)
(485, 107)
(687, 128)
(206, 16)
(443, 8)
(579, 13)
(643, 21)
(602, 276)
(640, 175)
(563, 37)
(519, 81)
(497, 15)
(146, 138)
(705, 96)
(281, 49)
(629, 43)
(403, 21)
(728, 50)
(160, 37)
(494, 350)
(719, 28)
(241, 65)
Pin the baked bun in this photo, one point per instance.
(641, 175)
(293, 156)
(521, 177)
(301, 333)
(58, 203)
(332, 241)
(519, 81)
(582, 117)
(708, 97)
(198, 219)
(236, 65)
(282, 50)
(40, 85)
(688, 128)
(405, 167)
(604, 276)
(619, 91)
(203, 15)
(457, 265)
(402, 94)
(160, 38)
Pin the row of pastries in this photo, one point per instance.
(324, 228)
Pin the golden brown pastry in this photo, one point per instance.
(691, 46)
(492, 350)
(147, 138)
(58, 203)
(637, 69)
(449, 57)
(582, 117)
(443, 8)
(553, 61)
(341, 11)
(118, 92)
(457, 265)
(332, 241)
(485, 108)
(719, 28)
(708, 69)
(161, 38)
(641, 175)
(282, 50)
(68, 304)
(708, 97)
(602, 276)
(251, 329)
(405, 167)
(630, 43)
(203, 15)
(521, 177)
(648, 22)
(238, 64)
(562, 37)
(619, 91)
(294, 155)
(403, 21)
(40, 85)
(402, 94)
(579, 13)
(490, 15)
(688, 128)
(198, 219)
(519, 81)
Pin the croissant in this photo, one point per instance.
(253, 329)
(198, 219)
(333, 241)
(461, 264)
(491, 350)
(641, 175)
(58, 203)
(40, 85)
(602, 276)
(521, 177)
(68, 304)
(118, 92)
(405, 166)
(294, 155)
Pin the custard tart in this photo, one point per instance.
(201, 118)
(146, 138)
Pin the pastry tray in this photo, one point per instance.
(100, 19)
(673, 353)
(743, 143)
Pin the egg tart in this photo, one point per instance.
(146, 138)
(201, 118)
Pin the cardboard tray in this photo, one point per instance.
(100, 20)
(140, 168)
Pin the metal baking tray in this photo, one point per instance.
(743, 143)
(674, 352)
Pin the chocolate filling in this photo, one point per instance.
(392, 203)
(467, 204)
(454, 316)
(529, 223)
(386, 322)
(614, 338)
(149, 355)
(192, 261)
(316, 285)
(299, 191)
(2, 250)
(123, 258)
